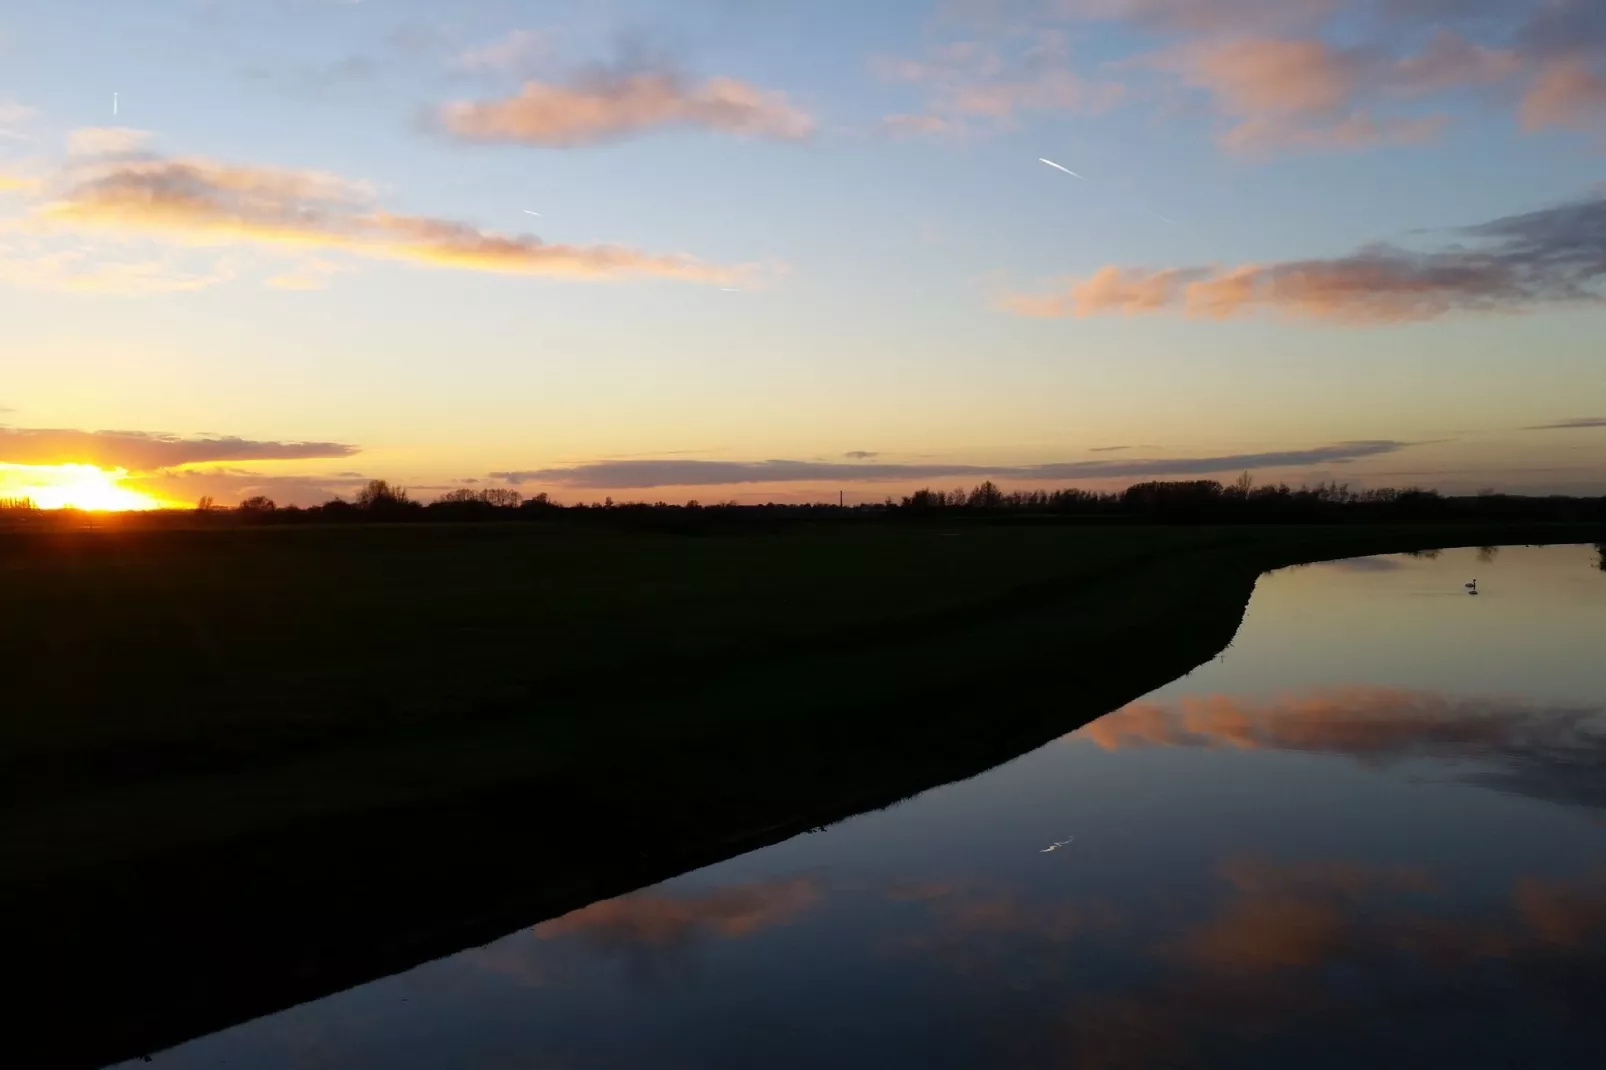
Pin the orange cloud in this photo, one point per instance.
(1566, 92)
(1252, 76)
(1360, 721)
(1547, 256)
(609, 107)
(200, 201)
(1563, 914)
(655, 918)
(1261, 964)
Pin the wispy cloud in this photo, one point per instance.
(1581, 421)
(106, 141)
(978, 85)
(516, 52)
(144, 451)
(201, 201)
(81, 271)
(861, 455)
(1550, 256)
(14, 118)
(689, 473)
(658, 919)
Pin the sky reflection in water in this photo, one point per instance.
(1374, 828)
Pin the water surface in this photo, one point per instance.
(1374, 828)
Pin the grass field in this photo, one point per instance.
(279, 760)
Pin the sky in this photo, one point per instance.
(767, 250)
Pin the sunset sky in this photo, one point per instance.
(791, 246)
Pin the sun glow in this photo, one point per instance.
(73, 486)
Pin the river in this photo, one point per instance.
(1373, 829)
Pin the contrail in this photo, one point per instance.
(1067, 170)
(528, 212)
(1140, 208)
(114, 103)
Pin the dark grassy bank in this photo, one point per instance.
(253, 766)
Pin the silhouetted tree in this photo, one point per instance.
(206, 504)
(985, 495)
(379, 493)
(258, 504)
(502, 497)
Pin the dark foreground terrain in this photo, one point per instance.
(251, 766)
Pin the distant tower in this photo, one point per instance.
(840, 501)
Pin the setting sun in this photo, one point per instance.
(73, 486)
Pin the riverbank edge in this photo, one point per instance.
(128, 958)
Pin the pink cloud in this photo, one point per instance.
(1549, 256)
(1566, 92)
(609, 107)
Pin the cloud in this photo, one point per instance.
(13, 118)
(78, 271)
(1298, 949)
(1450, 61)
(229, 485)
(990, 84)
(199, 201)
(106, 141)
(905, 126)
(1548, 752)
(658, 919)
(1581, 421)
(1282, 93)
(312, 273)
(1279, 77)
(1550, 256)
(612, 103)
(144, 451)
(1107, 449)
(514, 53)
(1567, 92)
(667, 473)
(861, 455)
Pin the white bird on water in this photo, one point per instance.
(1056, 845)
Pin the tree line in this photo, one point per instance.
(1156, 501)
(1177, 501)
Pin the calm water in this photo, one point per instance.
(1375, 829)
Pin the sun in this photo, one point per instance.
(74, 486)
